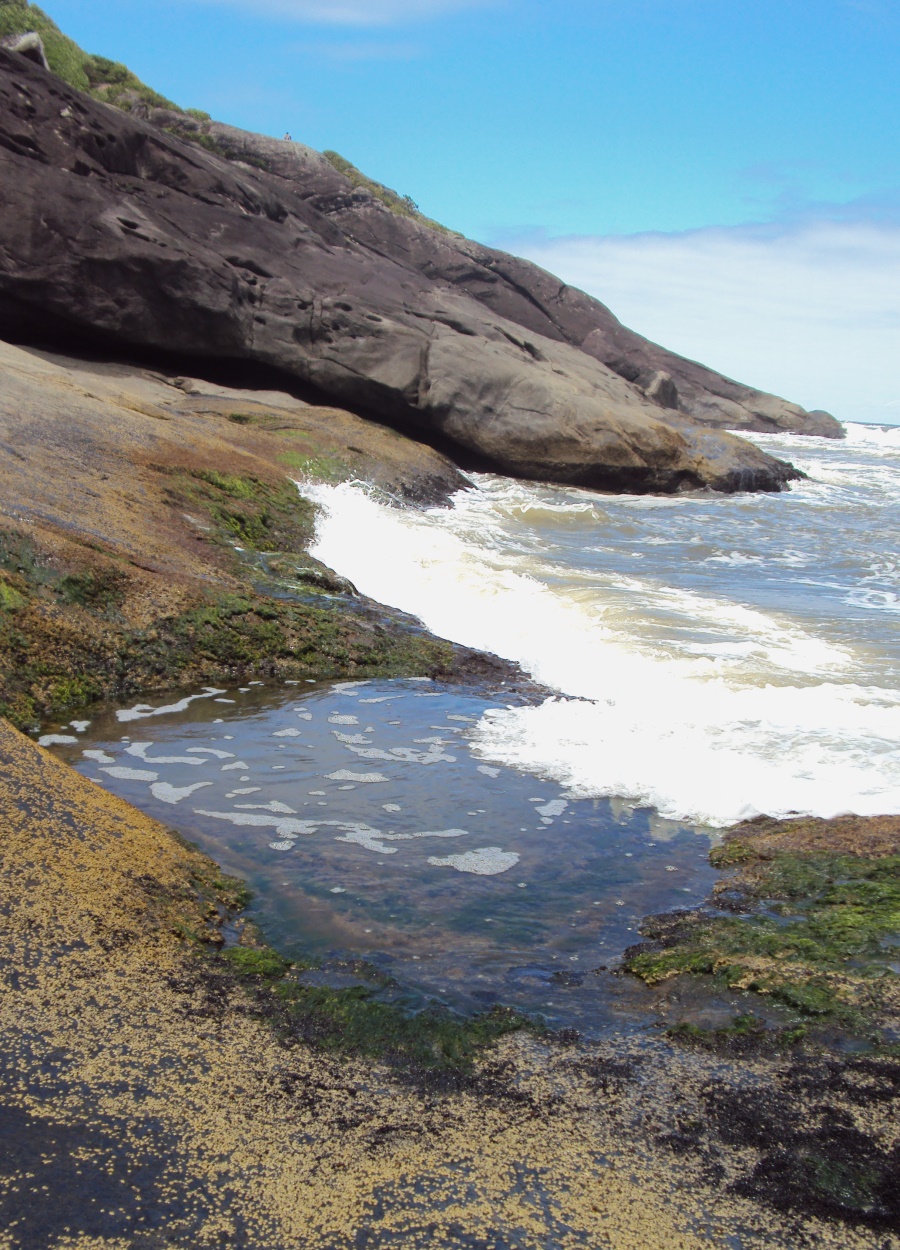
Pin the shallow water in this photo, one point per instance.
(368, 828)
(714, 657)
(728, 655)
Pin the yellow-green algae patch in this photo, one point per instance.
(808, 918)
(69, 641)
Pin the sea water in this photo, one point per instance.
(709, 658)
(712, 656)
(369, 827)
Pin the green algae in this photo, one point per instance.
(256, 514)
(811, 933)
(10, 598)
(745, 1034)
(356, 1021)
(101, 590)
(322, 468)
(69, 642)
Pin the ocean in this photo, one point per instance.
(714, 657)
(708, 658)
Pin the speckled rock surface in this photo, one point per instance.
(144, 1102)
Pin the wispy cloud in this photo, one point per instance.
(808, 309)
(356, 51)
(356, 12)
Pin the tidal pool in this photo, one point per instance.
(368, 828)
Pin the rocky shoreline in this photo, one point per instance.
(172, 1088)
(167, 239)
(167, 1080)
(124, 577)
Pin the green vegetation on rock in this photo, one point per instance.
(258, 515)
(97, 75)
(69, 640)
(401, 205)
(812, 932)
(356, 1021)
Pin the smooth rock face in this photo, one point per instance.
(538, 301)
(116, 229)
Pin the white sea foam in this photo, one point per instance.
(881, 438)
(273, 806)
(140, 749)
(284, 826)
(762, 714)
(167, 793)
(344, 774)
(140, 710)
(374, 839)
(486, 861)
(130, 774)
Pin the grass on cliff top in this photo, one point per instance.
(401, 205)
(817, 938)
(100, 77)
(114, 83)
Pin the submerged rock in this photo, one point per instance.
(124, 235)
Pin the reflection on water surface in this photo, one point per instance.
(368, 828)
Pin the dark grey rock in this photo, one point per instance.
(238, 250)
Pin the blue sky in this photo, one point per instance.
(724, 174)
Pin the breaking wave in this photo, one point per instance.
(712, 657)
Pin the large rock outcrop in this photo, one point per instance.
(114, 229)
(515, 288)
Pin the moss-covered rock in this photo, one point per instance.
(355, 1020)
(70, 641)
(813, 931)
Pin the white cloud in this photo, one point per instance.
(810, 311)
(356, 12)
(352, 53)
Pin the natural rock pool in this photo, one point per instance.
(369, 828)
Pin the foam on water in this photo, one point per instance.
(741, 672)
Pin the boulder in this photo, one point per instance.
(30, 44)
(124, 235)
